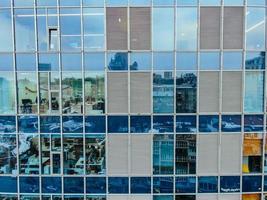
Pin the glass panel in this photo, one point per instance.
(72, 124)
(93, 3)
(29, 185)
(255, 28)
(186, 92)
(254, 95)
(230, 183)
(28, 124)
(27, 92)
(25, 62)
(46, 3)
(186, 123)
(208, 123)
(208, 184)
(251, 184)
(163, 184)
(253, 123)
(117, 124)
(71, 62)
(7, 93)
(231, 123)
(186, 29)
(5, 3)
(23, 3)
(185, 154)
(9, 186)
(232, 60)
(252, 153)
(95, 154)
(233, 2)
(256, 2)
(163, 2)
(29, 155)
(209, 60)
(185, 185)
(140, 124)
(163, 157)
(73, 185)
(140, 61)
(94, 84)
(6, 30)
(25, 29)
(186, 61)
(72, 92)
(96, 185)
(118, 185)
(210, 2)
(140, 185)
(48, 62)
(163, 27)
(163, 61)
(95, 124)
(7, 124)
(94, 61)
(51, 185)
(139, 2)
(6, 62)
(163, 124)
(8, 154)
(73, 159)
(96, 197)
(117, 61)
(116, 2)
(50, 124)
(255, 60)
(163, 93)
(187, 2)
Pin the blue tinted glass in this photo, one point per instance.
(140, 185)
(6, 62)
(49, 124)
(7, 124)
(163, 184)
(208, 184)
(253, 123)
(5, 3)
(254, 92)
(47, 3)
(139, 2)
(29, 185)
(48, 62)
(69, 2)
(25, 62)
(231, 123)
(210, 2)
(8, 184)
(161, 197)
(70, 22)
(255, 2)
(51, 184)
(117, 124)
(140, 124)
(72, 124)
(265, 183)
(186, 2)
(230, 183)
(232, 60)
(71, 62)
(209, 60)
(140, 61)
(185, 185)
(186, 124)
(117, 61)
(95, 124)
(163, 124)
(251, 183)
(118, 185)
(93, 3)
(186, 61)
(94, 61)
(208, 123)
(6, 30)
(116, 2)
(73, 185)
(163, 2)
(163, 61)
(96, 185)
(28, 124)
(255, 60)
(23, 3)
(233, 2)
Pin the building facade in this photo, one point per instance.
(133, 100)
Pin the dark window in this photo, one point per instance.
(231, 123)
(251, 183)
(50, 124)
(29, 184)
(117, 124)
(162, 184)
(96, 185)
(185, 185)
(230, 183)
(72, 124)
(186, 124)
(163, 124)
(118, 185)
(208, 123)
(140, 124)
(73, 185)
(95, 124)
(51, 184)
(140, 185)
(208, 184)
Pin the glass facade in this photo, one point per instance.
(133, 100)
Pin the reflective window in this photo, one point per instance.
(186, 123)
(254, 92)
(28, 124)
(253, 123)
(140, 185)
(7, 124)
(256, 2)
(186, 29)
(163, 93)
(208, 184)
(95, 154)
(186, 2)
(255, 60)
(8, 154)
(230, 183)
(73, 185)
(252, 153)
(117, 124)
(233, 2)
(185, 154)
(140, 124)
(163, 124)
(139, 2)
(117, 61)
(73, 159)
(25, 29)
(251, 183)
(163, 154)
(6, 62)
(26, 62)
(208, 123)
(116, 2)
(7, 92)
(186, 92)
(5, 3)
(185, 185)
(163, 2)
(46, 3)
(22, 3)
(93, 3)
(210, 2)
(94, 83)
(48, 62)
(72, 124)
(118, 185)
(50, 124)
(95, 124)
(96, 185)
(71, 62)
(209, 61)
(232, 60)
(163, 27)
(140, 61)
(6, 30)
(94, 61)
(29, 155)
(51, 184)
(29, 185)
(163, 61)
(163, 184)
(186, 61)
(231, 123)
(69, 2)
(255, 28)
(9, 186)
(93, 25)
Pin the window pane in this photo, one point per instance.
(208, 123)
(186, 123)
(139, 2)
(29, 185)
(116, 2)
(251, 184)
(51, 184)
(163, 2)
(208, 184)
(117, 61)
(163, 184)
(163, 61)
(186, 2)
(118, 185)
(69, 2)
(163, 124)
(6, 62)
(140, 61)
(28, 124)
(71, 62)
(26, 62)
(7, 93)
(48, 62)
(256, 2)
(185, 185)
(230, 183)
(186, 29)
(95, 124)
(117, 124)
(232, 60)
(50, 124)
(7, 124)
(186, 61)
(6, 31)
(140, 185)
(163, 27)
(9, 186)
(73, 185)
(46, 3)
(8, 156)
(72, 124)
(255, 60)
(231, 123)
(209, 61)
(96, 185)
(23, 3)
(94, 61)
(93, 3)
(210, 2)
(233, 2)
(140, 124)
(253, 123)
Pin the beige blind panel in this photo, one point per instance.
(141, 197)
(229, 197)
(207, 197)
